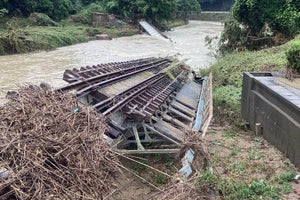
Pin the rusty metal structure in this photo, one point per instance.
(148, 103)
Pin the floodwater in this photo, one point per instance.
(186, 42)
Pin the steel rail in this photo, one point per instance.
(152, 100)
(128, 70)
(126, 99)
(120, 95)
(85, 72)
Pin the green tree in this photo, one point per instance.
(280, 15)
(56, 9)
(185, 7)
(150, 9)
(257, 23)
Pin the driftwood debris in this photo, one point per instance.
(50, 148)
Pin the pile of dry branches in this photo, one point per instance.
(189, 189)
(195, 141)
(53, 149)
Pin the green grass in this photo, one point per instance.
(285, 177)
(247, 188)
(237, 167)
(228, 74)
(233, 152)
(254, 155)
(23, 37)
(230, 189)
(284, 180)
(229, 133)
(139, 167)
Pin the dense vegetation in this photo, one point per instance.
(293, 56)
(59, 9)
(257, 24)
(30, 25)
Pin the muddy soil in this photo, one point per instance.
(242, 155)
(239, 155)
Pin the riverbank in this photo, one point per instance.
(18, 35)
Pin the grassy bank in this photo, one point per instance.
(19, 36)
(228, 73)
(245, 165)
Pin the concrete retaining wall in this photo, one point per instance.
(210, 16)
(277, 108)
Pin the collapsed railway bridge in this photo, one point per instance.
(148, 103)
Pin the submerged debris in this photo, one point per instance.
(52, 148)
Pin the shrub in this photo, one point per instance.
(40, 19)
(85, 15)
(257, 24)
(293, 56)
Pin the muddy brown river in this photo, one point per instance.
(186, 42)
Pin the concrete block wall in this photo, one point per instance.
(277, 108)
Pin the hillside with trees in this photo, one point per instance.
(30, 25)
(60, 9)
(258, 24)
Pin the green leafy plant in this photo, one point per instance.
(256, 24)
(293, 56)
(139, 167)
(237, 167)
(284, 180)
(229, 133)
(233, 152)
(254, 155)
(41, 19)
(254, 189)
(3, 12)
(285, 177)
(160, 179)
(84, 16)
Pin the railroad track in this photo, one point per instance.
(87, 79)
(144, 98)
(145, 101)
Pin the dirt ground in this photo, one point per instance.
(242, 155)
(141, 182)
(239, 155)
